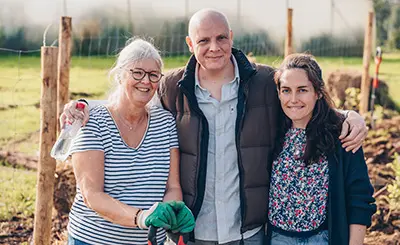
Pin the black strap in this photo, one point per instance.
(83, 100)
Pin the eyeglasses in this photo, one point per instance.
(138, 74)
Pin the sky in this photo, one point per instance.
(310, 16)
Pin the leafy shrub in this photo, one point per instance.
(259, 43)
(328, 45)
(394, 187)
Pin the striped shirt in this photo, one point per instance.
(134, 176)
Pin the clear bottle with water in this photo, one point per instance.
(62, 147)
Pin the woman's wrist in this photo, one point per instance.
(136, 217)
(141, 218)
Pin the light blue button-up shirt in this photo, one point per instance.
(219, 218)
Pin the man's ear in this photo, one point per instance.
(189, 44)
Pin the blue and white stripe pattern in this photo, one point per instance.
(136, 177)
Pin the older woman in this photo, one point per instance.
(126, 160)
(319, 192)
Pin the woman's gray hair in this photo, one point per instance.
(136, 49)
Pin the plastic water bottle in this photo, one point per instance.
(62, 147)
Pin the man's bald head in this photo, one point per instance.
(210, 40)
(206, 15)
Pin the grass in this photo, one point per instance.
(17, 192)
(20, 84)
(20, 87)
(20, 96)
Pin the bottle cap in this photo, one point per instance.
(80, 105)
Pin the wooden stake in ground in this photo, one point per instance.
(365, 81)
(64, 61)
(289, 33)
(46, 164)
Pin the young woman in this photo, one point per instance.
(319, 193)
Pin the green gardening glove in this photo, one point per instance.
(160, 215)
(184, 218)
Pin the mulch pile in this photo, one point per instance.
(379, 149)
(337, 82)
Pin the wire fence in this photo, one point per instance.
(20, 72)
(327, 28)
(170, 46)
(93, 40)
(20, 100)
(332, 29)
(260, 44)
(94, 50)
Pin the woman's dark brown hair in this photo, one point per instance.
(324, 127)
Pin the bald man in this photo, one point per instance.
(226, 111)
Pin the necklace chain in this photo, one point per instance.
(123, 121)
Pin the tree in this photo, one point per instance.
(382, 14)
(394, 31)
(2, 36)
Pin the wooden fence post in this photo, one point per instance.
(46, 164)
(64, 61)
(289, 33)
(365, 81)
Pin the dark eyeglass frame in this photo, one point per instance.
(148, 73)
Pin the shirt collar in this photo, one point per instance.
(236, 78)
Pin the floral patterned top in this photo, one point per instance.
(299, 193)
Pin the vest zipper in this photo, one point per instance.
(240, 165)
(204, 137)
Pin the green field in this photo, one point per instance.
(20, 88)
(20, 96)
(17, 193)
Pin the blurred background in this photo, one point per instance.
(330, 27)
(332, 30)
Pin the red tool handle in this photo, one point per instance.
(183, 239)
(152, 238)
(378, 60)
